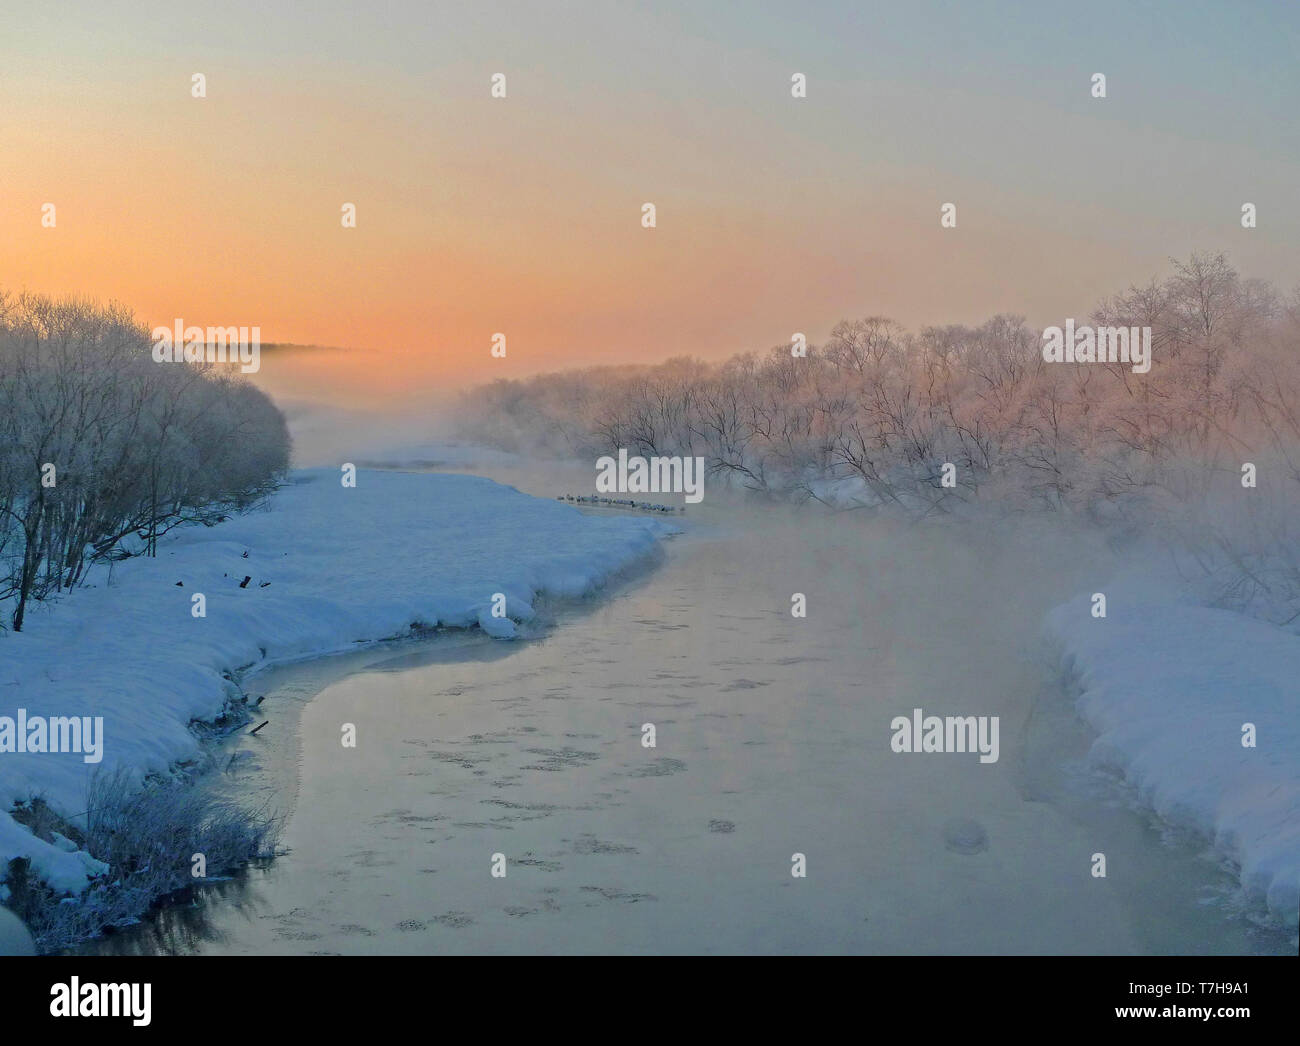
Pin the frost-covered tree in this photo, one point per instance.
(884, 409)
(103, 449)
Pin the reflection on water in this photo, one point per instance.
(182, 925)
(772, 739)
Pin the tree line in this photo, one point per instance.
(885, 408)
(103, 450)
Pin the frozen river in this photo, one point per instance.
(772, 738)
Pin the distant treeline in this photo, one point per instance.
(884, 409)
(103, 450)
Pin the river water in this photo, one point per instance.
(772, 738)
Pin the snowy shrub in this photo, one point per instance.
(147, 837)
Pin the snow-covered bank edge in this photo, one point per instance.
(1172, 689)
(330, 567)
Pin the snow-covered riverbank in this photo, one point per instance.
(1173, 690)
(328, 567)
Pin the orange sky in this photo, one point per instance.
(522, 215)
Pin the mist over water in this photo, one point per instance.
(946, 598)
(773, 738)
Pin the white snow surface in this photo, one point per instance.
(1169, 687)
(344, 565)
